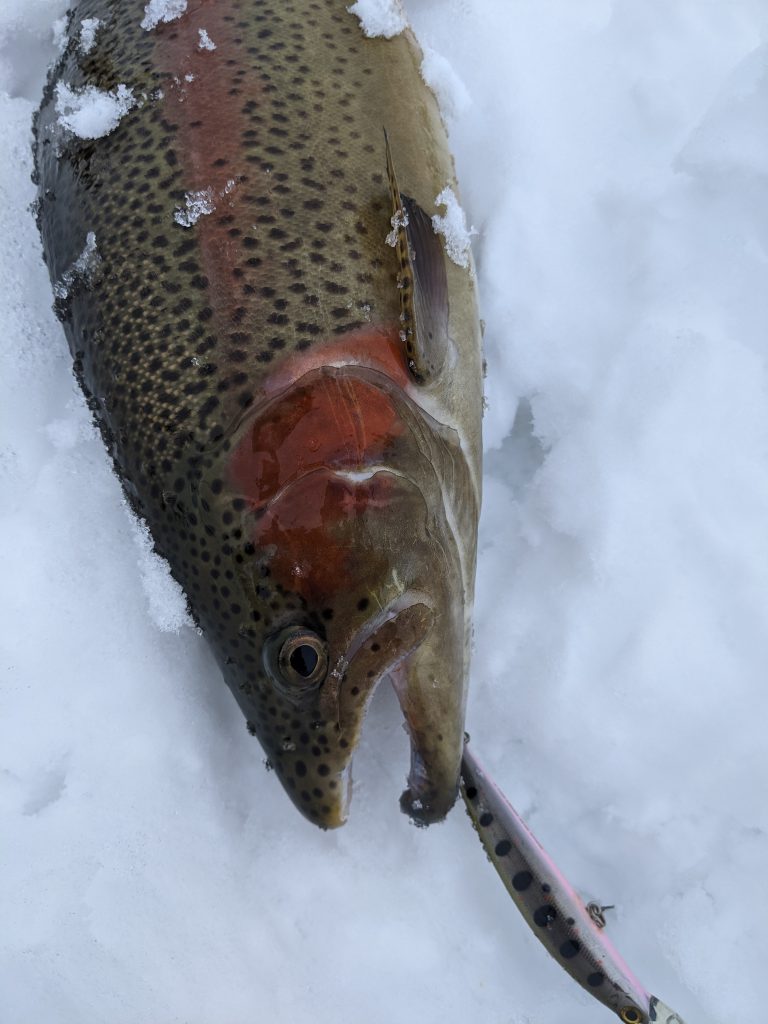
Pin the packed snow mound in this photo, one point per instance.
(726, 139)
(91, 113)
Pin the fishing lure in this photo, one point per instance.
(569, 930)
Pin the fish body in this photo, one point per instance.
(550, 905)
(283, 361)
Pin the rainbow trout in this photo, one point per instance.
(236, 202)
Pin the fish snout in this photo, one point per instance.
(319, 784)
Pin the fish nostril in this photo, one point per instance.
(304, 660)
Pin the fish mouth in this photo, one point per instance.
(433, 713)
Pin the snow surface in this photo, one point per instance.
(613, 159)
(92, 113)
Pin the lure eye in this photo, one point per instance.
(298, 661)
(630, 1015)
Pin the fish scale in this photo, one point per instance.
(240, 211)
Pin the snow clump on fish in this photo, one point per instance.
(88, 30)
(158, 11)
(92, 113)
(205, 43)
(380, 17)
(453, 227)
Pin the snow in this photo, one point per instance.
(206, 43)
(59, 33)
(398, 220)
(613, 160)
(91, 113)
(453, 227)
(157, 11)
(88, 29)
(440, 76)
(380, 17)
(167, 605)
(197, 204)
(201, 202)
(82, 269)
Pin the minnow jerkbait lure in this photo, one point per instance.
(551, 906)
(283, 361)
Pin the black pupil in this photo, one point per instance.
(304, 660)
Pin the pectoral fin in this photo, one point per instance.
(422, 282)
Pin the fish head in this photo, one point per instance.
(353, 577)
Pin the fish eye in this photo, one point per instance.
(298, 660)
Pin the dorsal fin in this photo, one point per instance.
(422, 282)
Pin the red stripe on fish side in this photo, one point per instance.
(209, 121)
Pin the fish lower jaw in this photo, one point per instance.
(433, 776)
(423, 803)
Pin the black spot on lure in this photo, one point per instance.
(283, 361)
(550, 905)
